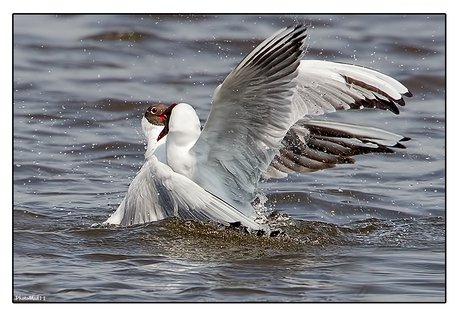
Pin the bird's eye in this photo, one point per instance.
(153, 110)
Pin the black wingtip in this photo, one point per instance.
(298, 25)
(399, 145)
(408, 94)
(235, 224)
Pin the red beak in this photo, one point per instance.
(165, 116)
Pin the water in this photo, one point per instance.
(371, 231)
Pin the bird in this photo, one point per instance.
(259, 127)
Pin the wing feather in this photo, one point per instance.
(324, 87)
(248, 118)
(157, 193)
(312, 145)
(266, 94)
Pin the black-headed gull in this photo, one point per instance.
(256, 128)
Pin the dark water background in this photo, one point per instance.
(371, 231)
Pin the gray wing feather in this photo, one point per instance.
(312, 145)
(249, 117)
(264, 96)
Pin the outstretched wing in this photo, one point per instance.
(266, 94)
(324, 87)
(312, 145)
(249, 118)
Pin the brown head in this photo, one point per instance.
(154, 114)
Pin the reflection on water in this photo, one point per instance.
(369, 231)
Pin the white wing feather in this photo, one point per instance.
(266, 94)
(249, 118)
(157, 193)
(324, 87)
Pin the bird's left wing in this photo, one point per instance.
(157, 192)
(312, 145)
(324, 87)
